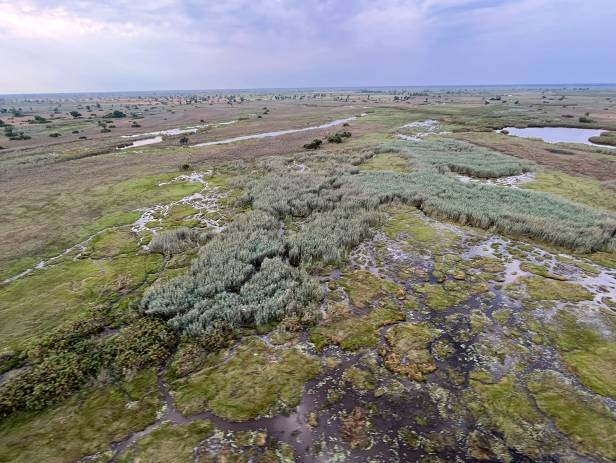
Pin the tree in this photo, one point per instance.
(114, 115)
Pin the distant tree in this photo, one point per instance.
(115, 114)
(184, 140)
(75, 114)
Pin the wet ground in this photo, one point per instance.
(475, 329)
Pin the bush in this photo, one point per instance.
(73, 356)
(114, 115)
(55, 135)
(313, 145)
(338, 137)
(175, 241)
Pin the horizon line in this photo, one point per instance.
(330, 87)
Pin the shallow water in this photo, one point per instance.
(558, 134)
(143, 142)
(424, 128)
(512, 181)
(157, 137)
(278, 133)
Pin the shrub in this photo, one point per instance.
(313, 145)
(68, 359)
(39, 120)
(55, 135)
(114, 115)
(175, 241)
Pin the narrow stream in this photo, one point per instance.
(204, 201)
(280, 132)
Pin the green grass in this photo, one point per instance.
(36, 303)
(506, 210)
(387, 162)
(84, 425)
(578, 189)
(406, 223)
(51, 222)
(606, 138)
(460, 157)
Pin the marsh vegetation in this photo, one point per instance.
(356, 302)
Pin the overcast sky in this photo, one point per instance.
(83, 45)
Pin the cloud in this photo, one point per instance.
(81, 45)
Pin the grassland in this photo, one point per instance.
(358, 302)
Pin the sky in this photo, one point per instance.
(114, 45)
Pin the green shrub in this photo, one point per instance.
(313, 145)
(178, 240)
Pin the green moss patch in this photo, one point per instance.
(407, 351)
(84, 425)
(253, 380)
(505, 408)
(363, 287)
(361, 380)
(441, 297)
(544, 289)
(406, 223)
(586, 353)
(169, 443)
(586, 421)
(540, 270)
(353, 333)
